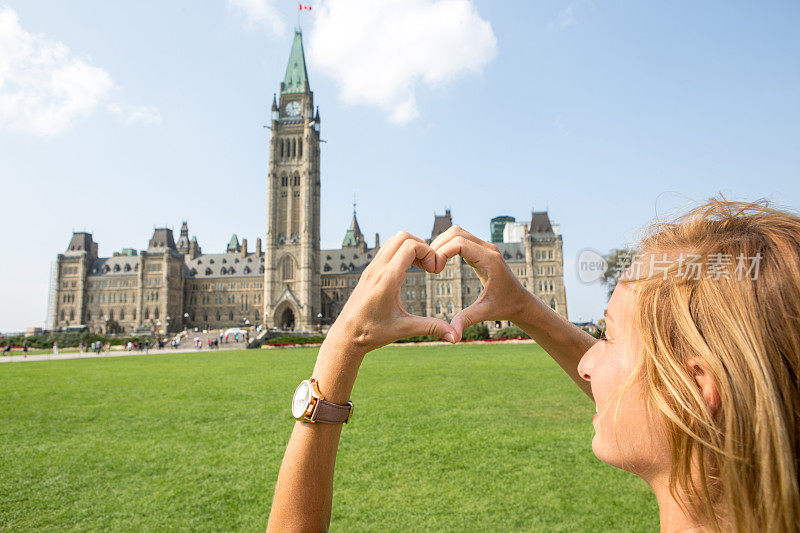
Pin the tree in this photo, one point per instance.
(618, 259)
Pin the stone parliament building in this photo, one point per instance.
(291, 283)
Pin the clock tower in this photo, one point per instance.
(292, 297)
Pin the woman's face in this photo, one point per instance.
(626, 436)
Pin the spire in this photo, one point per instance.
(353, 236)
(296, 79)
(183, 241)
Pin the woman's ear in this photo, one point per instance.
(698, 368)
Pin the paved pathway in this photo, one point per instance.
(183, 348)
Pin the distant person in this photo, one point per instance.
(694, 380)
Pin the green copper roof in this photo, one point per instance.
(349, 239)
(296, 73)
(233, 246)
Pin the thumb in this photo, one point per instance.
(477, 312)
(420, 325)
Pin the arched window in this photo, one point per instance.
(287, 268)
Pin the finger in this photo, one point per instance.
(412, 252)
(458, 231)
(477, 256)
(389, 249)
(419, 325)
(475, 313)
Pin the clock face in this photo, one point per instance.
(292, 109)
(302, 396)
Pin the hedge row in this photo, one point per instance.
(66, 340)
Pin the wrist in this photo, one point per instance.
(336, 368)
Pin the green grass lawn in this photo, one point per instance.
(480, 438)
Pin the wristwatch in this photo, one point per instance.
(308, 405)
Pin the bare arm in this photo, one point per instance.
(372, 317)
(503, 298)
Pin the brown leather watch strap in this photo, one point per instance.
(330, 413)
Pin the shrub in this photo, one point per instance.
(476, 332)
(420, 338)
(512, 332)
(296, 339)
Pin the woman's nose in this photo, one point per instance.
(585, 364)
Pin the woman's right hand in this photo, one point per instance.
(502, 297)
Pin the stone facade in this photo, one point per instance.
(291, 283)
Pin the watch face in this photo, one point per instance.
(292, 109)
(302, 396)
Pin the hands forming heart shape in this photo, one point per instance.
(374, 316)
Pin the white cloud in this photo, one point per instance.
(259, 13)
(132, 114)
(44, 87)
(380, 52)
(569, 15)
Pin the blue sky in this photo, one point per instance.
(606, 114)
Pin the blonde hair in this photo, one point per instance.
(734, 467)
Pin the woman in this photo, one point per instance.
(695, 382)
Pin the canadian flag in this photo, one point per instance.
(306, 8)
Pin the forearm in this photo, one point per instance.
(304, 492)
(565, 342)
